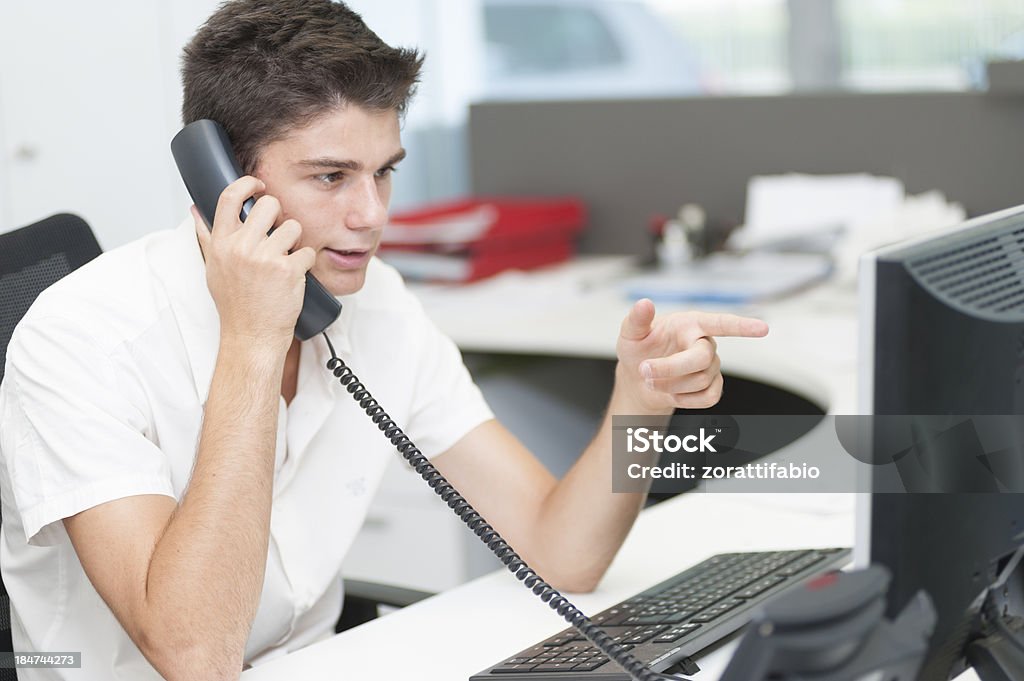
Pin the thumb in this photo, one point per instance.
(637, 323)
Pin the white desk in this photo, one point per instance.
(460, 632)
(576, 311)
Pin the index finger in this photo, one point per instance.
(725, 324)
(229, 205)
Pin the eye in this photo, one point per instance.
(330, 178)
(386, 171)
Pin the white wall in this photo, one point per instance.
(83, 114)
(451, 34)
(90, 98)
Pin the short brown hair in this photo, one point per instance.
(262, 67)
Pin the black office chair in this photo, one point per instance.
(32, 258)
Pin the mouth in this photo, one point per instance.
(349, 258)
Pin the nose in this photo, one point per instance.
(365, 207)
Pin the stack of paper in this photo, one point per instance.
(793, 208)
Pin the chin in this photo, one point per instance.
(343, 283)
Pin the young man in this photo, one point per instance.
(181, 478)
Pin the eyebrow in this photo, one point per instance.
(327, 162)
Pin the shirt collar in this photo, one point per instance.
(180, 268)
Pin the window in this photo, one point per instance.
(926, 44)
(544, 38)
(741, 44)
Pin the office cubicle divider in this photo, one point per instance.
(629, 159)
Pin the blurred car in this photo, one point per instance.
(1010, 48)
(576, 49)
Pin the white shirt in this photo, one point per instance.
(103, 396)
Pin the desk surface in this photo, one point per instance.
(462, 631)
(576, 310)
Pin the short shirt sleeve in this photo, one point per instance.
(447, 404)
(74, 428)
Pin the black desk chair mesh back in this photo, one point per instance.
(32, 258)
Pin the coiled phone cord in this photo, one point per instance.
(487, 534)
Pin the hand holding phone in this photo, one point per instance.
(257, 281)
(202, 151)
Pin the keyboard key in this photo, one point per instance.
(759, 586)
(800, 565)
(512, 668)
(575, 647)
(641, 635)
(612, 618)
(560, 639)
(716, 611)
(552, 667)
(678, 617)
(676, 633)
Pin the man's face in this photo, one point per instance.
(334, 177)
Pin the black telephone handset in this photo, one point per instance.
(207, 165)
(203, 153)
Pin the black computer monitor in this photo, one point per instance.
(942, 335)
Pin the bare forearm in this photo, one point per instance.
(582, 522)
(206, 574)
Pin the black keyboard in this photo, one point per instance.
(679, 617)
